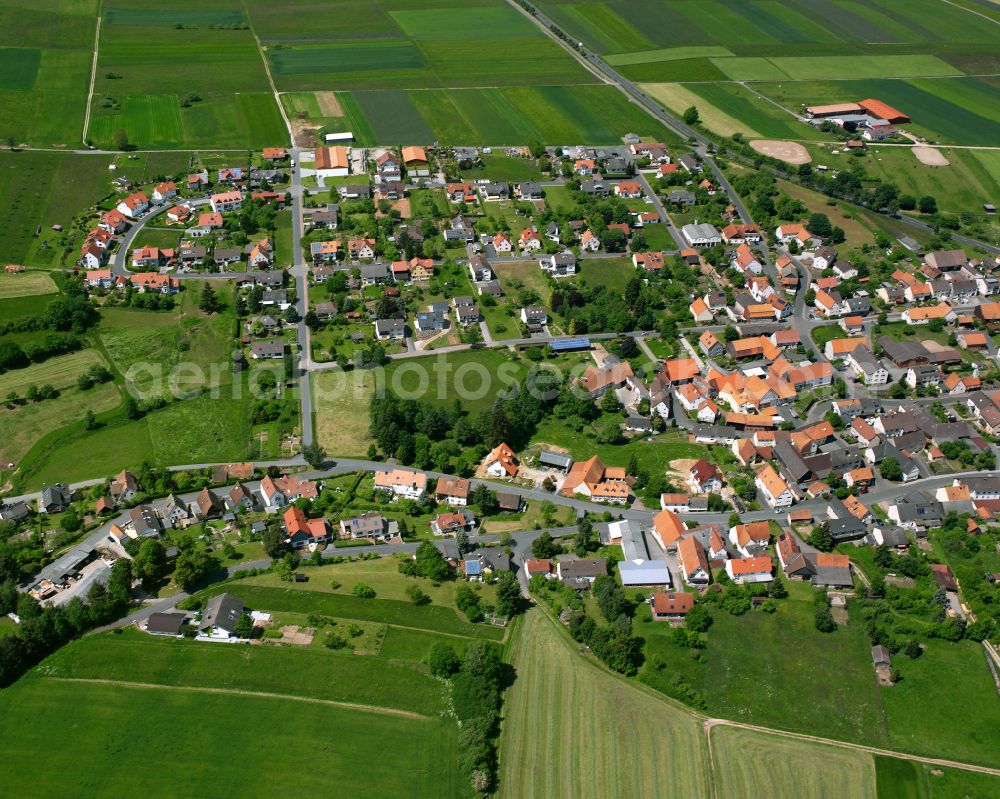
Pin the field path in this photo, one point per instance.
(978, 14)
(385, 711)
(267, 70)
(93, 77)
(874, 750)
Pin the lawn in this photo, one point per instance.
(394, 612)
(789, 767)
(612, 273)
(569, 726)
(383, 575)
(341, 400)
(677, 97)
(476, 377)
(834, 696)
(653, 457)
(824, 333)
(113, 727)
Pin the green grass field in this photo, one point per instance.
(60, 372)
(956, 111)
(496, 116)
(21, 426)
(570, 727)
(135, 657)
(938, 708)
(789, 767)
(25, 284)
(165, 55)
(118, 726)
(835, 694)
(41, 189)
(394, 612)
(46, 51)
(341, 403)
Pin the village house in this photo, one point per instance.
(401, 483)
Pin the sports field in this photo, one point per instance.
(572, 729)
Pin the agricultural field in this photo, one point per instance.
(651, 32)
(60, 372)
(341, 401)
(46, 54)
(503, 115)
(25, 284)
(789, 767)
(142, 694)
(394, 43)
(181, 76)
(950, 111)
(577, 748)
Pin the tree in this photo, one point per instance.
(442, 660)
(417, 597)
(821, 537)
(431, 563)
(508, 594)
(462, 542)
(71, 521)
(609, 402)
(131, 407)
(314, 455)
(120, 139)
(824, 619)
(485, 499)
(208, 303)
(890, 469)
(543, 547)
(150, 563)
(691, 116)
(273, 540)
(192, 567)
(363, 591)
(698, 619)
(927, 205)
(89, 420)
(244, 626)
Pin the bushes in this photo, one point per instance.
(476, 684)
(468, 602)
(363, 591)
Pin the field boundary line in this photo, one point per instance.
(93, 79)
(971, 11)
(874, 750)
(385, 711)
(267, 71)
